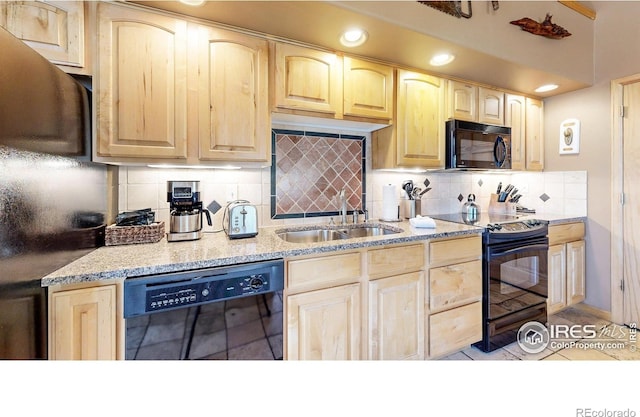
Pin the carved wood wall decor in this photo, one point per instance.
(546, 28)
(454, 8)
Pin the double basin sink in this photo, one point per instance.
(329, 234)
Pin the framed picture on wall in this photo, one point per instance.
(569, 141)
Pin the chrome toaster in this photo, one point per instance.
(241, 220)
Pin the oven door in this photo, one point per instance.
(517, 276)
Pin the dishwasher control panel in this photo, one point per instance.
(149, 294)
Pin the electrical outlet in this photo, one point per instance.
(231, 192)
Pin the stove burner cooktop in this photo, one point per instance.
(500, 224)
(483, 219)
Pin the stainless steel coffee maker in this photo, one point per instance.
(185, 222)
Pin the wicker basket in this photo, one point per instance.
(127, 235)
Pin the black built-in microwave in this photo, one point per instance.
(473, 145)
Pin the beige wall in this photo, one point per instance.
(489, 31)
(616, 54)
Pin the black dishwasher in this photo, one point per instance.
(227, 312)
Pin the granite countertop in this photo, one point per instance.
(555, 218)
(215, 249)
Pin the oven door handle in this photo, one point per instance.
(521, 249)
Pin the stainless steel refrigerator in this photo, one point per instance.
(52, 198)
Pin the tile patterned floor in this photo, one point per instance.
(617, 343)
(242, 329)
(235, 329)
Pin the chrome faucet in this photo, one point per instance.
(343, 207)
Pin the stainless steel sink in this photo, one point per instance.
(369, 231)
(325, 235)
(311, 236)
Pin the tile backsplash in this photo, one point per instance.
(562, 193)
(547, 192)
(310, 168)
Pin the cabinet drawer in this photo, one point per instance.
(562, 233)
(455, 329)
(455, 250)
(397, 260)
(325, 272)
(455, 285)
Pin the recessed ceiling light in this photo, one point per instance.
(545, 88)
(441, 59)
(354, 37)
(192, 2)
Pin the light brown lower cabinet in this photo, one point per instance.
(84, 323)
(455, 295)
(454, 329)
(324, 324)
(396, 317)
(566, 266)
(383, 303)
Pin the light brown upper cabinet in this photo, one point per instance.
(417, 137)
(368, 89)
(534, 134)
(233, 112)
(307, 79)
(524, 116)
(142, 84)
(515, 118)
(56, 29)
(168, 90)
(462, 101)
(490, 106)
(420, 120)
(317, 83)
(467, 101)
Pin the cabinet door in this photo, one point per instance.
(142, 84)
(462, 101)
(534, 135)
(53, 28)
(368, 89)
(307, 79)
(83, 324)
(557, 276)
(324, 324)
(233, 113)
(575, 272)
(514, 117)
(420, 120)
(396, 317)
(490, 106)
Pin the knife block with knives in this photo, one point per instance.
(501, 207)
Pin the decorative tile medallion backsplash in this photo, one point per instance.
(310, 168)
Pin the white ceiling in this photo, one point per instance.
(406, 44)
